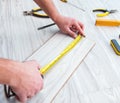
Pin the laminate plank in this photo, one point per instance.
(100, 69)
(56, 78)
(99, 73)
(91, 77)
(19, 36)
(108, 95)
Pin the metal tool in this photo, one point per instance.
(105, 12)
(65, 1)
(43, 27)
(36, 12)
(115, 46)
(8, 91)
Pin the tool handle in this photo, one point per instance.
(64, 1)
(100, 10)
(37, 14)
(103, 14)
(36, 9)
(107, 22)
(43, 27)
(115, 46)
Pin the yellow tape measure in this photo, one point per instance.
(65, 51)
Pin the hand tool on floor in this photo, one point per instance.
(115, 46)
(107, 22)
(8, 91)
(36, 12)
(43, 27)
(65, 1)
(105, 12)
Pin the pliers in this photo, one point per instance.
(105, 12)
(35, 12)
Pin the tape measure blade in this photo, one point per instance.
(65, 51)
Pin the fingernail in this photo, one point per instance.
(83, 35)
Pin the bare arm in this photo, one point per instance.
(23, 78)
(49, 7)
(66, 24)
(6, 69)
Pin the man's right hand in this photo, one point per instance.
(27, 80)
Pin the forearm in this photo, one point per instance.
(6, 71)
(66, 24)
(49, 7)
(23, 77)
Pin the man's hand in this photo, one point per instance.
(66, 24)
(70, 26)
(27, 81)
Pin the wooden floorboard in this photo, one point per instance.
(58, 76)
(97, 79)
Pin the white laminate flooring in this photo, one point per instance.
(97, 80)
(59, 74)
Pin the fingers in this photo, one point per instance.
(22, 98)
(81, 25)
(76, 28)
(30, 83)
(79, 28)
(71, 33)
(70, 26)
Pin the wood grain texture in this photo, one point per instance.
(97, 79)
(98, 75)
(19, 36)
(57, 77)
